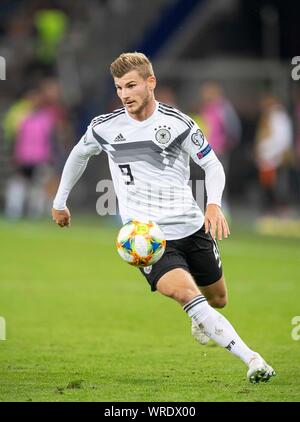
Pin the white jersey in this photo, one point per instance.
(149, 164)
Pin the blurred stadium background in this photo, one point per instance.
(228, 64)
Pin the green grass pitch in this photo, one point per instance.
(82, 325)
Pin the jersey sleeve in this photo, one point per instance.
(198, 148)
(90, 145)
(75, 166)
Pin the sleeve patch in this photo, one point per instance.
(204, 152)
(198, 138)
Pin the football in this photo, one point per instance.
(141, 243)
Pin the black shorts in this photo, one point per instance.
(198, 254)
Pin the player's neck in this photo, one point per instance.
(146, 112)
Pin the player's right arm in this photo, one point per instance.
(73, 170)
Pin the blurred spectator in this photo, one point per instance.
(16, 114)
(166, 95)
(38, 152)
(297, 115)
(51, 26)
(273, 151)
(220, 124)
(17, 46)
(297, 147)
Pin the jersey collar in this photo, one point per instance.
(146, 121)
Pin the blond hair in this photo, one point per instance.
(127, 62)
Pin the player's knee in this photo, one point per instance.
(219, 301)
(180, 294)
(184, 295)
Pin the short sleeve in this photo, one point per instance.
(196, 146)
(90, 144)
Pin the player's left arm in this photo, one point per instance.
(201, 152)
(214, 219)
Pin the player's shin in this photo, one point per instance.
(217, 327)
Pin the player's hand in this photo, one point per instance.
(62, 217)
(215, 222)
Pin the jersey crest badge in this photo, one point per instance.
(163, 135)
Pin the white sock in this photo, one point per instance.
(217, 327)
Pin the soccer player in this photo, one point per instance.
(148, 146)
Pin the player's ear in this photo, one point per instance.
(151, 82)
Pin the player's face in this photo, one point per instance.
(134, 91)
